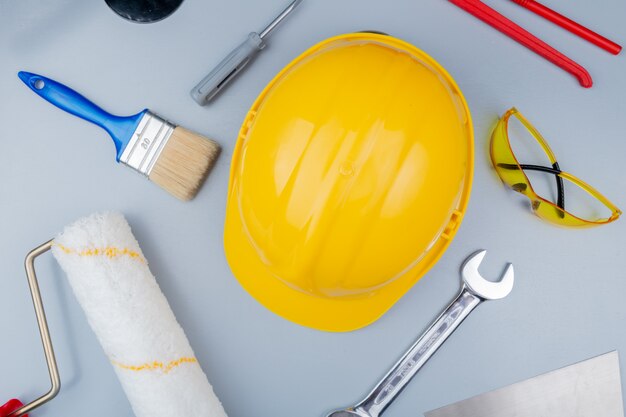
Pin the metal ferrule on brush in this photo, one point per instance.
(147, 142)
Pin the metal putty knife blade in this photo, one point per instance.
(587, 389)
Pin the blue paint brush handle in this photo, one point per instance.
(120, 128)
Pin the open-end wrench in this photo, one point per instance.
(475, 290)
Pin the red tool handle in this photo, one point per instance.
(521, 35)
(568, 24)
(10, 407)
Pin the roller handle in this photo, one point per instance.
(11, 406)
(227, 69)
(63, 97)
(570, 25)
(522, 36)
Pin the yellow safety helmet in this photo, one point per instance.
(349, 179)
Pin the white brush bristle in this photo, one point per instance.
(184, 163)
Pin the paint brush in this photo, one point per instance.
(171, 156)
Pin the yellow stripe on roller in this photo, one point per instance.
(110, 252)
(155, 366)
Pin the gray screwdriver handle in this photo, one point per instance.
(227, 69)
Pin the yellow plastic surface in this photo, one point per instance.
(511, 173)
(350, 177)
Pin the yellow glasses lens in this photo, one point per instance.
(511, 172)
(504, 160)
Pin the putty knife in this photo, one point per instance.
(587, 389)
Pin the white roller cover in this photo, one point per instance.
(132, 319)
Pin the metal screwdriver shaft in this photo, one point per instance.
(236, 60)
(265, 32)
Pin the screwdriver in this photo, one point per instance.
(236, 60)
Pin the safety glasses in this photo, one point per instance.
(513, 174)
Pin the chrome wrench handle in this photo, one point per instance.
(405, 369)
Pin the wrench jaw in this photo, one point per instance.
(482, 288)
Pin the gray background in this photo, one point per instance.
(567, 305)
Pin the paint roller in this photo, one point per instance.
(130, 317)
